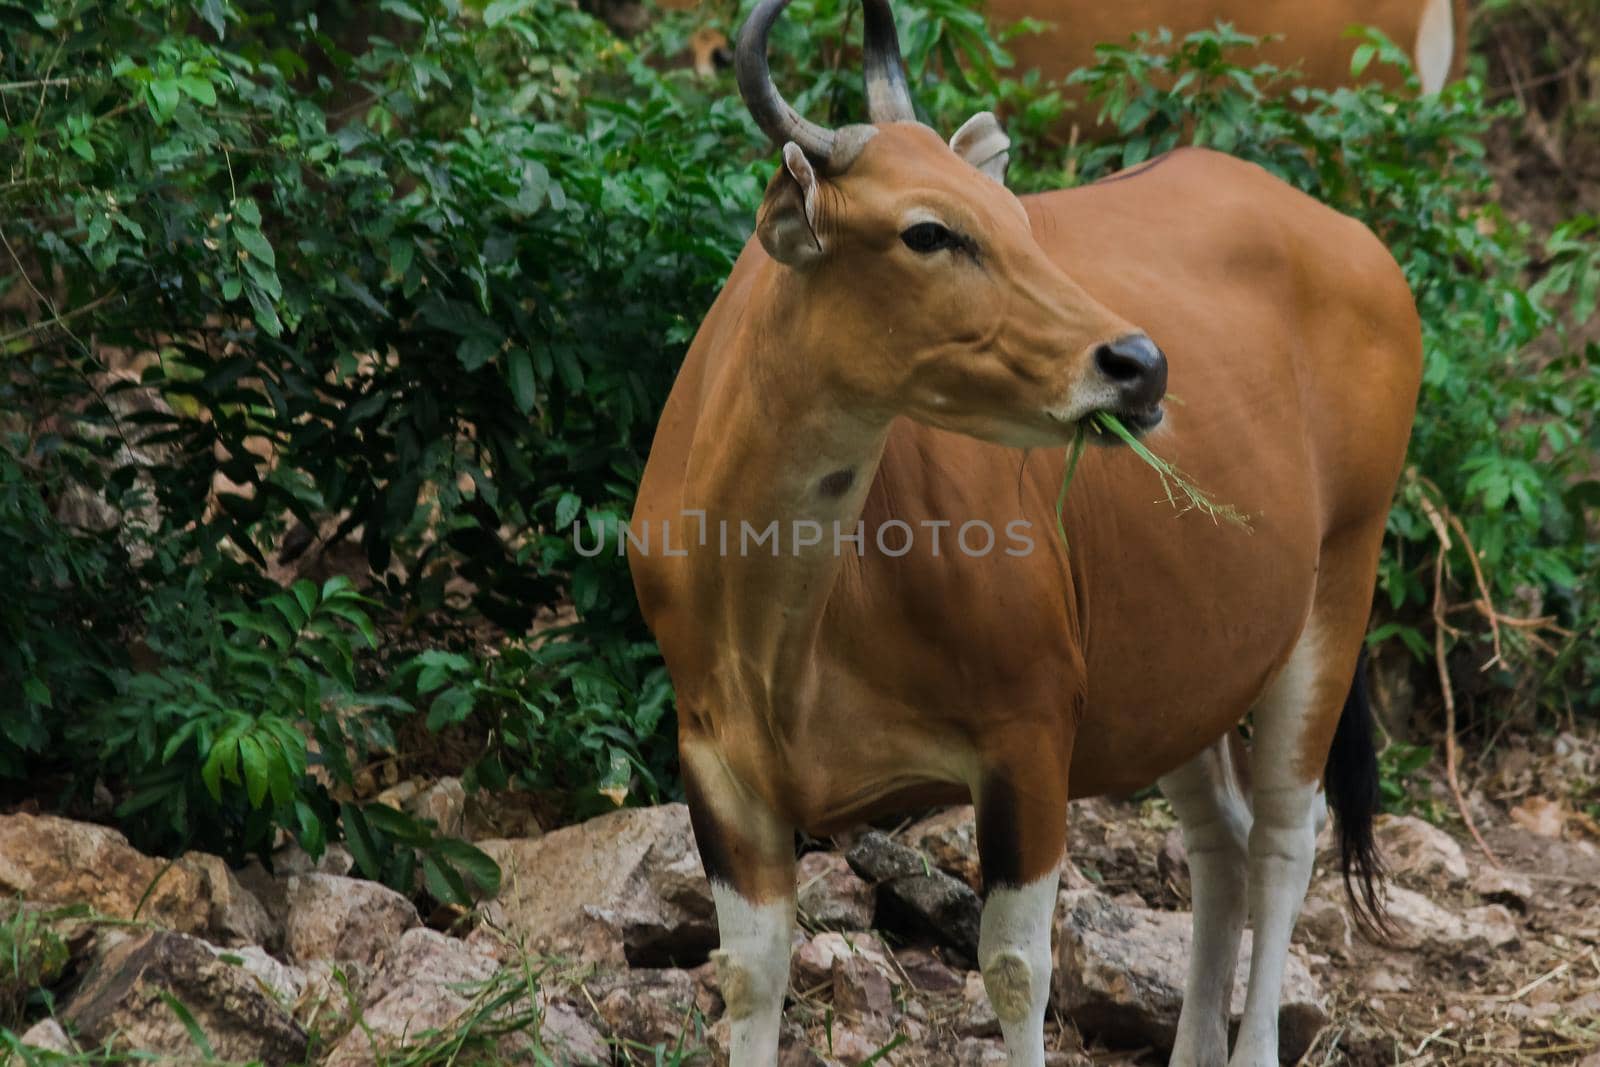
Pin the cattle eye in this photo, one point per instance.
(926, 237)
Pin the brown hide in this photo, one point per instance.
(829, 688)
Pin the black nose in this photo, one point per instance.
(722, 57)
(1136, 367)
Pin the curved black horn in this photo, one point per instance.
(888, 96)
(772, 113)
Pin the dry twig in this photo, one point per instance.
(1440, 629)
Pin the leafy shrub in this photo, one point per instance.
(399, 322)
(32, 957)
(56, 636)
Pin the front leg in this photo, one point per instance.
(748, 853)
(1022, 819)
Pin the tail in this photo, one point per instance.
(1351, 779)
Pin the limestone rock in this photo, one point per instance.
(652, 1006)
(927, 972)
(124, 1001)
(624, 888)
(814, 962)
(1499, 886)
(47, 1034)
(991, 1052)
(335, 918)
(1103, 835)
(568, 1038)
(794, 1050)
(1423, 923)
(980, 1052)
(236, 916)
(1325, 919)
(51, 860)
(950, 839)
(831, 897)
(914, 894)
(279, 980)
(1120, 975)
(331, 988)
(427, 984)
(1414, 849)
(1172, 862)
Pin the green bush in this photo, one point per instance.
(33, 957)
(403, 321)
(419, 288)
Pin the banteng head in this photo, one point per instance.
(916, 274)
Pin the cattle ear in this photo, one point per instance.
(788, 222)
(981, 142)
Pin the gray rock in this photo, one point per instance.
(1120, 975)
(1422, 923)
(236, 916)
(283, 983)
(568, 1038)
(991, 1052)
(427, 984)
(927, 972)
(794, 1050)
(47, 1034)
(624, 888)
(977, 1018)
(980, 1052)
(1172, 862)
(854, 970)
(1418, 851)
(1500, 886)
(336, 918)
(124, 1002)
(652, 1006)
(914, 895)
(831, 897)
(333, 991)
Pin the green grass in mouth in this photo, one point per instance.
(1181, 493)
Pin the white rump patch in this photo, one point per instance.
(1436, 45)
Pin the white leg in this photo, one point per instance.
(753, 972)
(1283, 839)
(1207, 798)
(1014, 956)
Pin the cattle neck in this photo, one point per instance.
(779, 454)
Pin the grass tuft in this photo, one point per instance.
(1183, 494)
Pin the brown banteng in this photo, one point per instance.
(1310, 36)
(885, 353)
(705, 51)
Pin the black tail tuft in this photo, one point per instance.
(1351, 779)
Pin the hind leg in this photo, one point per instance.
(1207, 795)
(1294, 723)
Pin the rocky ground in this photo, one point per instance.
(595, 948)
